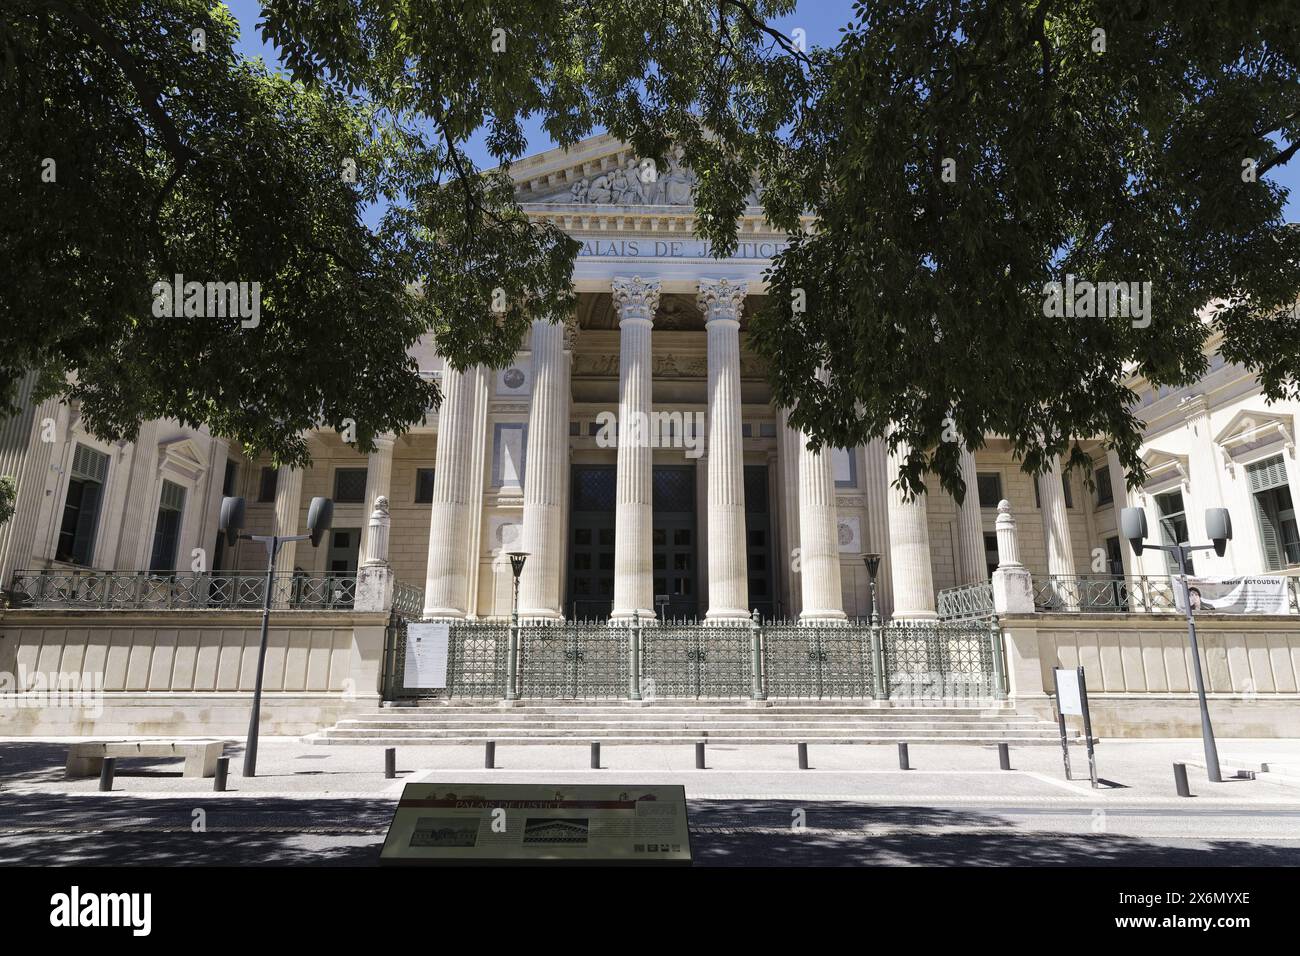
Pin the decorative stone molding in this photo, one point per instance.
(721, 299)
(636, 298)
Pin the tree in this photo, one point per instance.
(139, 146)
(961, 157)
(8, 492)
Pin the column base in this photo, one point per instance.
(731, 615)
(624, 618)
(830, 616)
(914, 617)
(443, 614)
(540, 616)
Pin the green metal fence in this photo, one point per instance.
(594, 660)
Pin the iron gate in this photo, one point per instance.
(575, 660)
(694, 661)
(817, 662)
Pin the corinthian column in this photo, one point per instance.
(288, 501)
(636, 299)
(721, 300)
(909, 549)
(1056, 534)
(819, 550)
(454, 517)
(973, 568)
(547, 457)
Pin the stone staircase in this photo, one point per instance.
(667, 721)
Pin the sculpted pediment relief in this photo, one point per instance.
(633, 182)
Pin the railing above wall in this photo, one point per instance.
(1113, 593)
(970, 602)
(151, 590)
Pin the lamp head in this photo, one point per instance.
(232, 517)
(319, 518)
(872, 561)
(517, 559)
(1133, 525)
(1218, 528)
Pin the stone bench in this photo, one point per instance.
(87, 759)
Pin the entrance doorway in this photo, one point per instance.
(676, 557)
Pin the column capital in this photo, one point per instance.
(636, 298)
(721, 299)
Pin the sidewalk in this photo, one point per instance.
(941, 774)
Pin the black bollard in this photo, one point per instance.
(490, 755)
(106, 774)
(699, 755)
(390, 762)
(595, 755)
(803, 756)
(1004, 756)
(902, 757)
(1180, 780)
(223, 771)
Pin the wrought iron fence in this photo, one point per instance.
(408, 600)
(970, 602)
(593, 660)
(150, 590)
(1104, 593)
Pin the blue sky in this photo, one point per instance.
(821, 21)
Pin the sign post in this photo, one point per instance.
(1072, 698)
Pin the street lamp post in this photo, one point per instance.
(319, 517)
(1218, 524)
(517, 559)
(872, 561)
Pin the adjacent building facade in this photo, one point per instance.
(634, 452)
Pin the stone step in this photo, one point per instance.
(326, 738)
(489, 733)
(711, 726)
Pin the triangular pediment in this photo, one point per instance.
(1163, 464)
(1251, 426)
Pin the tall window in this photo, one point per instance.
(1105, 493)
(989, 488)
(350, 485)
(1173, 526)
(423, 486)
(167, 531)
(76, 542)
(1275, 513)
(266, 486)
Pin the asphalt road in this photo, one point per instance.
(60, 829)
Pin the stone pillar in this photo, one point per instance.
(909, 549)
(379, 482)
(1013, 587)
(548, 460)
(288, 504)
(1119, 501)
(972, 567)
(875, 481)
(636, 300)
(721, 301)
(25, 455)
(1203, 486)
(375, 579)
(819, 551)
(454, 516)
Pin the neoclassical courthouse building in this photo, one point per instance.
(521, 458)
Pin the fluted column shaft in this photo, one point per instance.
(972, 567)
(288, 504)
(819, 552)
(636, 299)
(379, 481)
(547, 459)
(909, 548)
(454, 515)
(721, 301)
(1056, 521)
(788, 450)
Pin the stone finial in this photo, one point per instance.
(1008, 538)
(377, 539)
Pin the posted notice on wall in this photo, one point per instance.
(1265, 594)
(520, 823)
(426, 655)
(1069, 695)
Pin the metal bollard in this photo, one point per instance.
(902, 757)
(223, 771)
(699, 755)
(1004, 756)
(490, 755)
(390, 762)
(1180, 780)
(106, 774)
(803, 756)
(595, 755)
